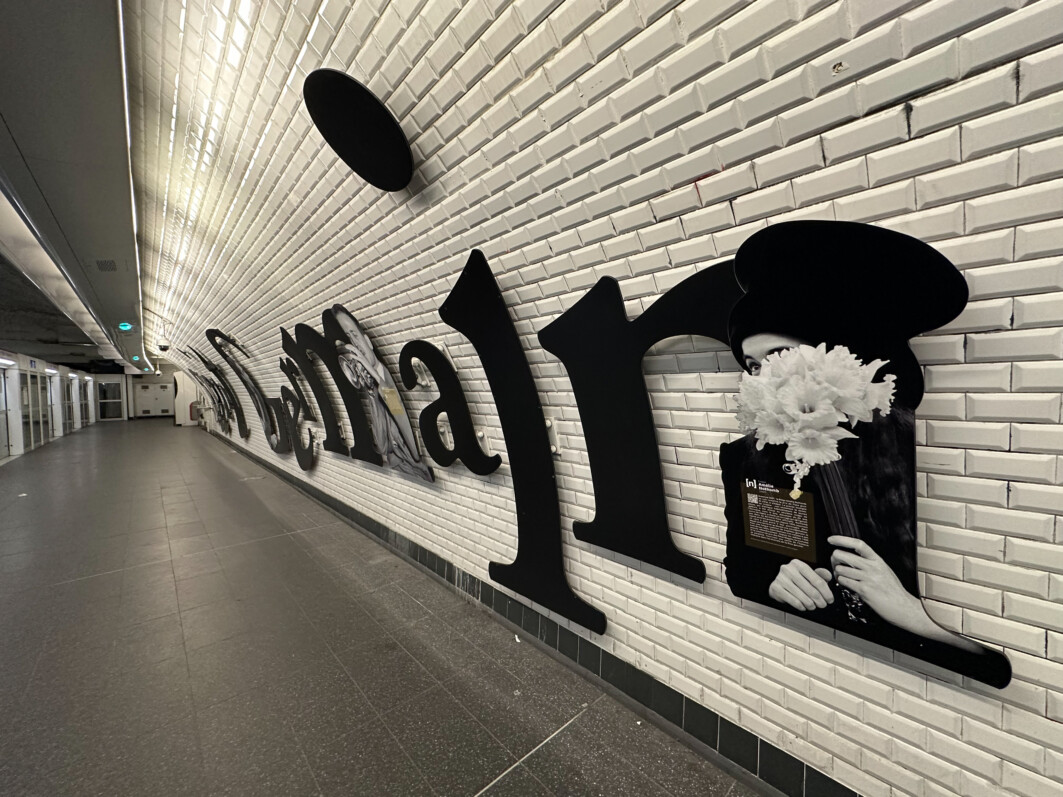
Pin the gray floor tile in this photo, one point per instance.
(574, 763)
(518, 782)
(367, 761)
(185, 643)
(447, 743)
(387, 674)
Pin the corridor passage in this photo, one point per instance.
(174, 619)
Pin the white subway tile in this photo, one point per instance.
(1040, 73)
(1024, 609)
(1041, 161)
(984, 315)
(1014, 467)
(1039, 311)
(788, 162)
(1033, 407)
(823, 113)
(1031, 28)
(1037, 376)
(935, 67)
(929, 225)
(727, 184)
(765, 202)
(938, 349)
(983, 176)
(875, 132)
(1013, 279)
(969, 490)
(1018, 206)
(1037, 438)
(1026, 122)
(966, 542)
(878, 203)
(1008, 577)
(986, 249)
(992, 91)
(863, 56)
(1012, 522)
(943, 406)
(1037, 498)
(915, 157)
(829, 28)
(844, 178)
(1034, 240)
(983, 378)
(992, 436)
(748, 144)
(934, 22)
(1027, 344)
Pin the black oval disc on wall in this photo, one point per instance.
(359, 128)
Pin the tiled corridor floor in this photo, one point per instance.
(174, 619)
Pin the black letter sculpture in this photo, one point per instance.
(475, 308)
(603, 353)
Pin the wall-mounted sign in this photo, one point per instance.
(820, 493)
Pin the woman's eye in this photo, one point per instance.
(754, 368)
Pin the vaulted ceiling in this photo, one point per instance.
(221, 140)
(66, 214)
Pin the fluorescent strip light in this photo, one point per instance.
(50, 371)
(6, 362)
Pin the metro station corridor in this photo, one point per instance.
(175, 619)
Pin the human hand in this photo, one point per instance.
(858, 568)
(801, 587)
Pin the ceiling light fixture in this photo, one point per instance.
(125, 326)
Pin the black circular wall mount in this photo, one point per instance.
(359, 128)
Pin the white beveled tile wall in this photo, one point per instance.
(644, 140)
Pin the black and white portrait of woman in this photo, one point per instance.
(393, 437)
(812, 288)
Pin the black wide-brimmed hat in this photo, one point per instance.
(843, 283)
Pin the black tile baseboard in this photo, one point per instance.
(772, 766)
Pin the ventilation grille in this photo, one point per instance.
(106, 265)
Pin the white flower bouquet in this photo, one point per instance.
(802, 395)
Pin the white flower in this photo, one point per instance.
(802, 394)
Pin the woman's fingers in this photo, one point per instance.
(850, 573)
(853, 544)
(815, 585)
(795, 598)
(798, 578)
(840, 557)
(848, 583)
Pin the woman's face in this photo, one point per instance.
(756, 347)
(354, 333)
(346, 323)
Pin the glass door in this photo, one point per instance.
(5, 443)
(68, 407)
(44, 385)
(35, 411)
(83, 397)
(24, 407)
(109, 401)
